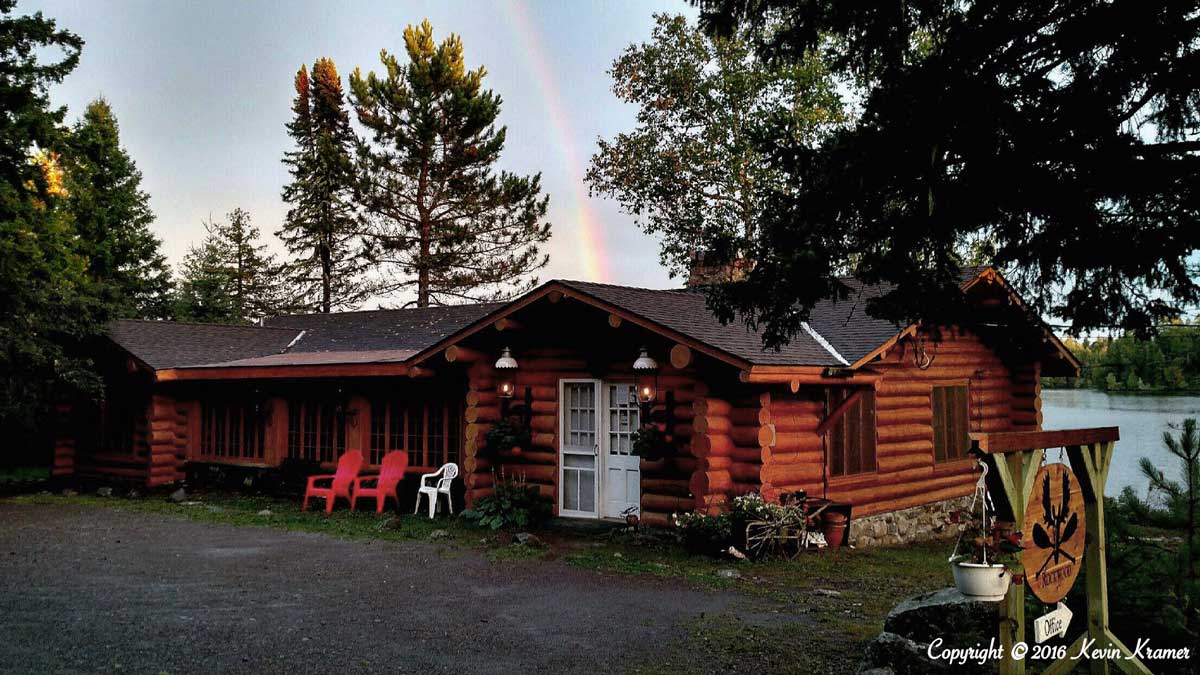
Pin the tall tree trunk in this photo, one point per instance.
(423, 264)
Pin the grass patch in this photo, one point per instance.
(244, 510)
(24, 473)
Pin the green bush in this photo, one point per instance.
(512, 504)
(506, 434)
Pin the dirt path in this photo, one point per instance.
(96, 589)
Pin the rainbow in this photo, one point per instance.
(578, 204)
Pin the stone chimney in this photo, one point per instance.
(708, 270)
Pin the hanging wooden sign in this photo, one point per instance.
(1053, 533)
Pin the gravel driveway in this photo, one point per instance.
(97, 589)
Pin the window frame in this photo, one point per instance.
(228, 419)
(864, 415)
(416, 436)
(942, 427)
(308, 426)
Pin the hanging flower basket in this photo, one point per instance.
(983, 573)
(977, 581)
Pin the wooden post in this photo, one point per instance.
(1091, 453)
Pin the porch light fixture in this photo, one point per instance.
(506, 374)
(645, 372)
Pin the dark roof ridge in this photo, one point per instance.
(175, 322)
(680, 291)
(391, 309)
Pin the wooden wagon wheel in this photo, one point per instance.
(761, 538)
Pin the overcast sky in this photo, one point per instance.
(202, 91)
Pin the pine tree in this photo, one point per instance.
(128, 272)
(44, 312)
(321, 231)
(441, 222)
(229, 277)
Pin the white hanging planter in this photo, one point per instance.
(986, 581)
(977, 581)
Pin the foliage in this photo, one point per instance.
(1168, 361)
(702, 532)
(994, 541)
(46, 310)
(650, 442)
(321, 231)
(441, 222)
(1062, 131)
(128, 273)
(508, 433)
(229, 277)
(512, 504)
(691, 171)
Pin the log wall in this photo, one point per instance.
(1002, 398)
(168, 440)
(665, 483)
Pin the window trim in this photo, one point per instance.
(840, 425)
(451, 434)
(933, 423)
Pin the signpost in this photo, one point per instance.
(1016, 458)
(1053, 624)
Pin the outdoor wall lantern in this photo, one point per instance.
(645, 372)
(506, 374)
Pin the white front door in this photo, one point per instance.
(579, 447)
(599, 476)
(622, 481)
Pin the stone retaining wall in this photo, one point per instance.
(919, 523)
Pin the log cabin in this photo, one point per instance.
(853, 409)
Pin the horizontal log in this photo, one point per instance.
(478, 480)
(750, 417)
(666, 486)
(903, 432)
(711, 424)
(749, 473)
(533, 473)
(482, 414)
(705, 483)
(902, 416)
(774, 456)
(897, 504)
(798, 441)
(529, 457)
(747, 454)
(458, 354)
(667, 503)
(746, 435)
(920, 447)
(899, 463)
(716, 462)
(705, 445)
(791, 473)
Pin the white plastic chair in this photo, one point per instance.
(445, 476)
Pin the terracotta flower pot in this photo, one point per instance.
(833, 526)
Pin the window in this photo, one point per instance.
(623, 416)
(950, 434)
(232, 430)
(852, 437)
(316, 430)
(429, 431)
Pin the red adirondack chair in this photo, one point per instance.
(386, 484)
(348, 467)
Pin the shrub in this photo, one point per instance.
(506, 434)
(703, 533)
(513, 504)
(649, 442)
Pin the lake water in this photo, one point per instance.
(1142, 419)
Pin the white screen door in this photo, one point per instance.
(579, 476)
(622, 473)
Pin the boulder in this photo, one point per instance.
(104, 492)
(527, 539)
(438, 534)
(729, 574)
(891, 653)
(266, 513)
(947, 614)
(179, 496)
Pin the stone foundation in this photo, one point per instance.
(919, 523)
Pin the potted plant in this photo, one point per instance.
(649, 442)
(508, 435)
(983, 572)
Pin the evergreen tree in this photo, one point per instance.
(128, 272)
(229, 277)
(1065, 132)
(321, 230)
(44, 311)
(441, 222)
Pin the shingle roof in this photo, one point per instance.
(684, 312)
(839, 332)
(170, 344)
(381, 329)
